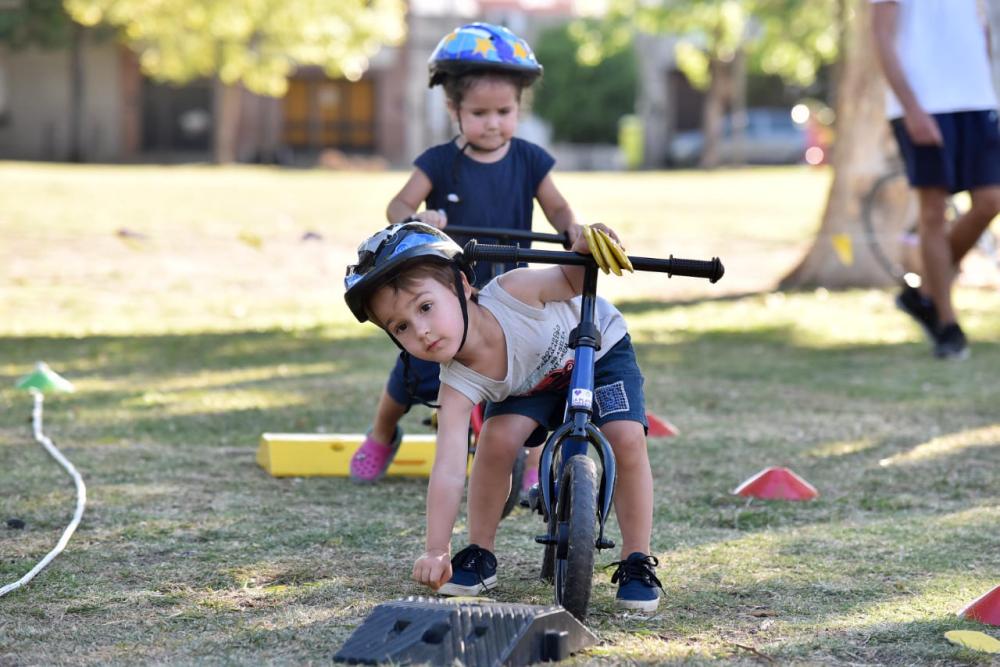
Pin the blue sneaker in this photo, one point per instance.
(473, 571)
(637, 582)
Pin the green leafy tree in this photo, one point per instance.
(719, 41)
(45, 24)
(582, 99)
(256, 44)
(41, 23)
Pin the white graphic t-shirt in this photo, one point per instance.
(538, 354)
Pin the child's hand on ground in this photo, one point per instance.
(433, 569)
(433, 218)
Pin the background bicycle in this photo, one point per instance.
(889, 217)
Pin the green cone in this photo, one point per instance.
(44, 379)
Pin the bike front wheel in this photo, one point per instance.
(575, 517)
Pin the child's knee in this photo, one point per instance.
(500, 441)
(628, 441)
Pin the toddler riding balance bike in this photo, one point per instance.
(573, 502)
(476, 423)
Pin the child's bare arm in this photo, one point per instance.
(446, 486)
(406, 202)
(920, 125)
(536, 287)
(557, 210)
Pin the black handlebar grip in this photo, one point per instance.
(675, 266)
(696, 268)
(485, 252)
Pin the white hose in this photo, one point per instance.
(81, 495)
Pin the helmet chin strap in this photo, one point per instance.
(460, 292)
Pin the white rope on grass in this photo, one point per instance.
(81, 495)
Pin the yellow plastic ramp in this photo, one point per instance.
(329, 454)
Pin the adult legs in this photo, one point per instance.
(971, 224)
(935, 251)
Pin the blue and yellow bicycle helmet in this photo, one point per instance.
(482, 46)
(387, 252)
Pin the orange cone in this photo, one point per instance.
(985, 609)
(777, 484)
(660, 427)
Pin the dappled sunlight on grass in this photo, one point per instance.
(229, 321)
(809, 320)
(947, 445)
(931, 599)
(188, 403)
(225, 379)
(985, 518)
(841, 448)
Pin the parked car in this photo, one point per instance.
(770, 137)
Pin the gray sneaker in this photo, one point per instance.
(950, 343)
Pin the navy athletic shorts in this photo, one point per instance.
(618, 396)
(969, 159)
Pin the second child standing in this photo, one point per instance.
(484, 177)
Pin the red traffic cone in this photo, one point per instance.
(660, 427)
(985, 609)
(777, 484)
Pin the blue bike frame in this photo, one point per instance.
(578, 431)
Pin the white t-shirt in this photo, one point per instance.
(538, 354)
(941, 46)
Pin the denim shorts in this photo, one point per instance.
(969, 158)
(426, 374)
(618, 396)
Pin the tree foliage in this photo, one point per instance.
(582, 97)
(41, 23)
(257, 43)
(787, 38)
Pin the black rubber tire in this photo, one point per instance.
(549, 564)
(889, 216)
(577, 512)
(516, 476)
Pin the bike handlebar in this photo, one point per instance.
(501, 233)
(712, 269)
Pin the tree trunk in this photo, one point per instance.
(841, 255)
(653, 104)
(226, 119)
(712, 113)
(76, 100)
(738, 105)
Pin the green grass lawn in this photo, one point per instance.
(192, 316)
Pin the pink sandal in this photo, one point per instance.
(372, 459)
